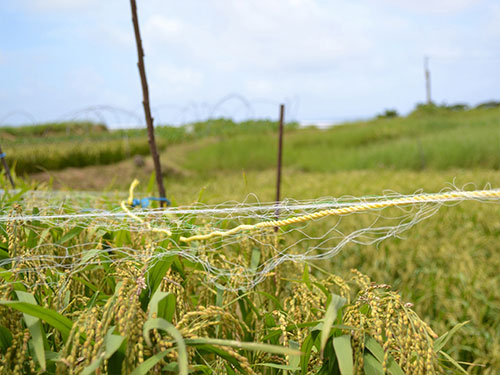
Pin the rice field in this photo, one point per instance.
(120, 300)
(76, 301)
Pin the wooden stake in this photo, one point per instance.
(145, 102)
(7, 169)
(280, 153)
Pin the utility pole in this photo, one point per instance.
(280, 154)
(427, 80)
(145, 102)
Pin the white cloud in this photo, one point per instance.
(174, 77)
(115, 35)
(327, 51)
(268, 34)
(260, 87)
(493, 26)
(280, 33)
(432, 6)
(86, 81)
(160, 28)
(59, 5)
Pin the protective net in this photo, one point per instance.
(236, 245)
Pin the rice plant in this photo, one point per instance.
(98, 310)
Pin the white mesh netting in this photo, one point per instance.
(237, 245)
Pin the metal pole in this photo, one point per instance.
(145, 102)
(427, 79)
(6, 166)
(280, 153)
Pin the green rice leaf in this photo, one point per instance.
(172, 331)
(71, 234)
(371, 365)
(255, 260)
(336, 304)
(305, 276)
(306, 348)
(294, 360)
(112, 343)
(149, 363)
(5, 339)
(253, 346)
(163, 304)
(36, 330)
(280, 367)
(343, 351)
(155, 275)
(275, 300)
(51, 317)
(375, 348)
(378, 352)
(96, 363)
(442, 340)
(221, 353)
(453, 362)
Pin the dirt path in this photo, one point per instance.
(119, 175)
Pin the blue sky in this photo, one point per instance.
(327, 60)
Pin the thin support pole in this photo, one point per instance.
(7, 169)
(145, 102)
(280, 154)
(427, 80)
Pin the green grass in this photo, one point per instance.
(50, 130)
(438, 141)
(62, 145)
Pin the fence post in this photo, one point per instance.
(7, 169)
(280, 154)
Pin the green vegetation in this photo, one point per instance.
(431, 137)
(388, 113)
(446, 266)
(436, 140)
(58, 146)
(50, 130)
(97, 310)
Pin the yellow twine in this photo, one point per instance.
(130, 200)
(348, 210)
(423, 198)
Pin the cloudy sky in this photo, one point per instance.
(326, 59)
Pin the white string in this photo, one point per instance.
(282, 207)
(318, 239)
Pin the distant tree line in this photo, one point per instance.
(424, 108)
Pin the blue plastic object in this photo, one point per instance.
(144, 202)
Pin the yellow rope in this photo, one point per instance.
(130, 200)
(348, 210)
(131, 189)
(423, 198)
